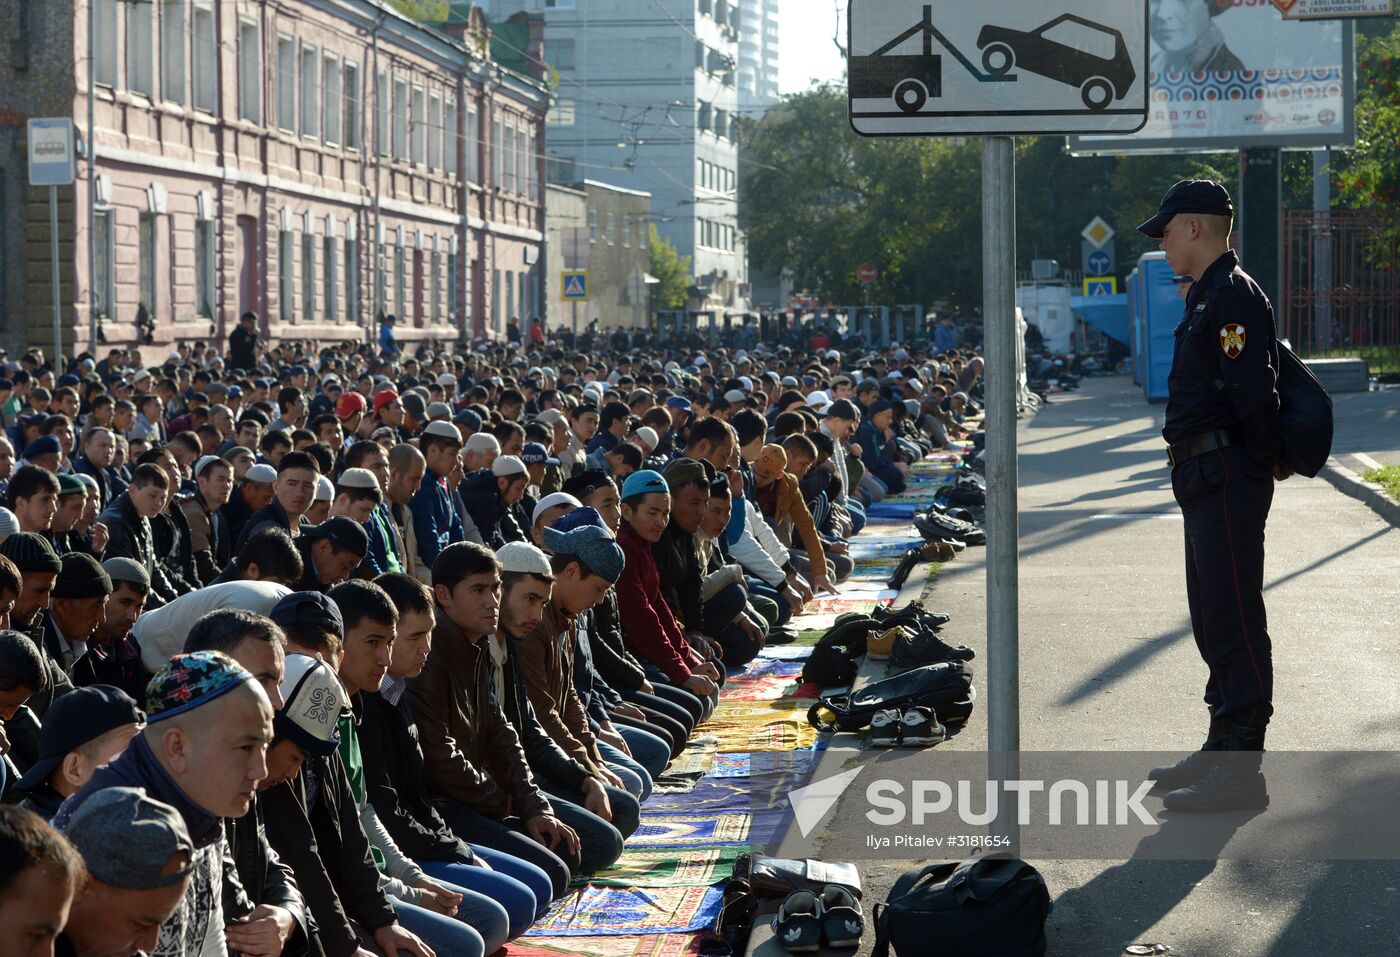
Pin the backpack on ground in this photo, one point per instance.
(981, 907)
(945, 687)
(833, 659)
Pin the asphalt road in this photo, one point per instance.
(1367, 423)
(1108, 663)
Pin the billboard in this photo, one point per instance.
(1226, 74)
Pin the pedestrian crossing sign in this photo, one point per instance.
(576, 286)
(1100, 285)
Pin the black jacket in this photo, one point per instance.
(679, 571)
(109, 483)
(482, 500)
(170, 534)
(393, 762)
(253, 876)
(122, 669)
(129, 536)
(614, 662)
(270, 514)
(313, 825)
(242, 349)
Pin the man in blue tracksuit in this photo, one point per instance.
(435, 522)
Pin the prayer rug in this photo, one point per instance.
(768, 726)
(788, 652)
(593, 911)
(655, 945)
(694, 867)
(686, 830)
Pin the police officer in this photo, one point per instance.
(1225, 451)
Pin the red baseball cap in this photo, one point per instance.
(384, 398)
(349, 403)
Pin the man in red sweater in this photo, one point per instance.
(648, 626)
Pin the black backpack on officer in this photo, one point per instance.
(981, 907)
(1304, 415)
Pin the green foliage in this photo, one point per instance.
(1369, 177)
(1388, 478)
(672, 269)
(426, 11)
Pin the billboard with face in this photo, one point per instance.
(1225, 74)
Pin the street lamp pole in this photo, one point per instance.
(92, 175)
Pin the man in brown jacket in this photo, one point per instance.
(474, 763)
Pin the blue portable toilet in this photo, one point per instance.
(1134, 288)
(1161, 312)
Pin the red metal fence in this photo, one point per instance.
(1341, 284)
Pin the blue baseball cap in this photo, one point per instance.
(644, 482)
(43, 445)
(535, 454)
(679, 403)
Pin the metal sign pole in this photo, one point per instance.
(53, 273)
(999, 343)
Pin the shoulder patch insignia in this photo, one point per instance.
(1201, 307)
(1232, 336)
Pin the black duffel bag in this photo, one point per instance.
(945, 687)
(981, 907)
(1304, 415)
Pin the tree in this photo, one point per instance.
(1369, 177)
(672, 269)
(426, 11)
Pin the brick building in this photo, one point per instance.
(313, 161)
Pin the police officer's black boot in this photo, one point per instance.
(1195, 766)
(1235, 783)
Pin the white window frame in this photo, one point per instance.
(330, 252)
(400, 119)
(434, 131)
(435, 279)
(204, 286)
(140, 55)
(104, 272)
(383, 96)
(286, 83)
(350, 93)
(106, 53)
(286, 279)
(308, 87)
(308, 276)
(449, 136)
(418, 138)
(330, 99)
(250, 72)
(147, 242)
(352, 280)
(472, 143)
(204, 57)
(174, 23)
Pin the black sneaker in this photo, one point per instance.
(926, 648)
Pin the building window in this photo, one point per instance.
(473, 145)
(400, 119)
(381, 292)
(453, 307)
(560, 169)
(436, 280)
(249, 72)
(522, 162)
(308, 276)
(146, 262)
(172, 50)
(330, 99)
(285, 290)
(561, 53)
(592, 225)
(611, 234)
(400, 284)
(496, 300)
(138, 48)
(626, 231)
(420, 126)
(206, 59)
(497, 149)
(562, 113)
(287, 83)
(102, 264)
(352, 280)
(508, 182)
(381, 101)
(328, 278)
(204, 268)
(450, 146)
(351, 129)
(510, 296)
(105, 54)
(435, 132)
(310, 103)
(419, 293)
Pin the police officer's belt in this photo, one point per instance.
(1200, 445)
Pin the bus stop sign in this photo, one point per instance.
(999, 67)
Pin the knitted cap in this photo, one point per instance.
(127, 570)
(31, 553)
(81, 577)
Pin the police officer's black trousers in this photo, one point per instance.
(1225, 498)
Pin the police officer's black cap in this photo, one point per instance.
(1189, 196)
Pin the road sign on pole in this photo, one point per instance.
(1098, 232)
(997, 66)
(868, 273)
(575, 285)
(51, 164)
(1100, 285)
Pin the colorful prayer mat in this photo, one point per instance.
(875, 549)
(769, 726)
(654, 945)
(695, 867)
(791, 652)
(602, 911)
(761, 762)
(732, 828)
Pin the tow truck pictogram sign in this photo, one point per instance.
(966, 67)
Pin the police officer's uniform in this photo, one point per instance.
(1223, 435)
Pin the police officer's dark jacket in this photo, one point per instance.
(1225, 368)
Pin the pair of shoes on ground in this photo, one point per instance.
(916, 727)
(806, 921)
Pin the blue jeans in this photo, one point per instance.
(516, 898)
(658, 679)
(635, 778)
(648, 750)
(858, 518)
(600, 841)
(445, 935)
(762, 589)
